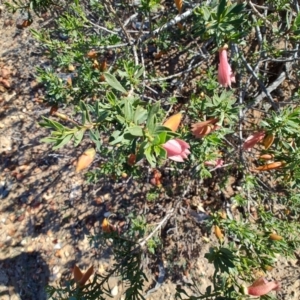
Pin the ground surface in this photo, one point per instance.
(47, 211)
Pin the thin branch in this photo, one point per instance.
(261, 84)
(259, 14)
(177, 74)
(160, 224)
(271, 87)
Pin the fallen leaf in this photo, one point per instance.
(85, 159)
(82, 278)
(96, 64)
(180, 26)
(218, 233)
(92, 54)
(53, 109)
(131, 159)
(86, 276)
(106, 227)
(266, 156)
(178, 4)
(275, 237)
(158, 55)
(71, 68)
(271, 166)
(77, 273)
(103, 66)
(173, 122)
(69, 81)
(156, 179)
(268, 140)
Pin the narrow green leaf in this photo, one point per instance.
(140, 115)
(221, 8)
(150, 157)
(114, 83)
(135, 131)
(128, 111)
(63, 142)
(78, 136)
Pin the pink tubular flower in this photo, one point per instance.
(253, 139)
(177, 149)
(262, 286)
(218, 163)
(225, 75)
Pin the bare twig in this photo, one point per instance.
(177, 74)
(258, 13)
(261, 84)
(160, 224)
(271, 87)
(171, 23)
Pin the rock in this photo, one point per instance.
(5, 144)
(5, 83)
(114, 291)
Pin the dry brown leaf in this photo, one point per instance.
(106, 227)
(268, 140)
(266, 156)
(173, 122)
(131, 159)
(71, 68)
(218, 233)
(69, 81)
(180, 26)
(77, 273)
(158, 55)
(53, 110)
(86, 276)
(85, 159)
(96, 64)
(103, 66)
(26, 23)
(156, 179)
(92, 54)
(275, 237)
(178, 4)
(268, 268)
(271, 166)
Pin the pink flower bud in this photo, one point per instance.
(177, 149)
(225, 74)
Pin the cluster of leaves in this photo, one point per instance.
(107, 104)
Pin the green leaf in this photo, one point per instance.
(78, 136)
(150, 157)
(151, 121)
(118, 137)
(49, 140)
(140, 115)
(85, 112)
(114, 83)
(160, 152)
(63, 142)
(221, 8)
(48, 123)
(135, 131)
(95, 137)
(128, 110)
